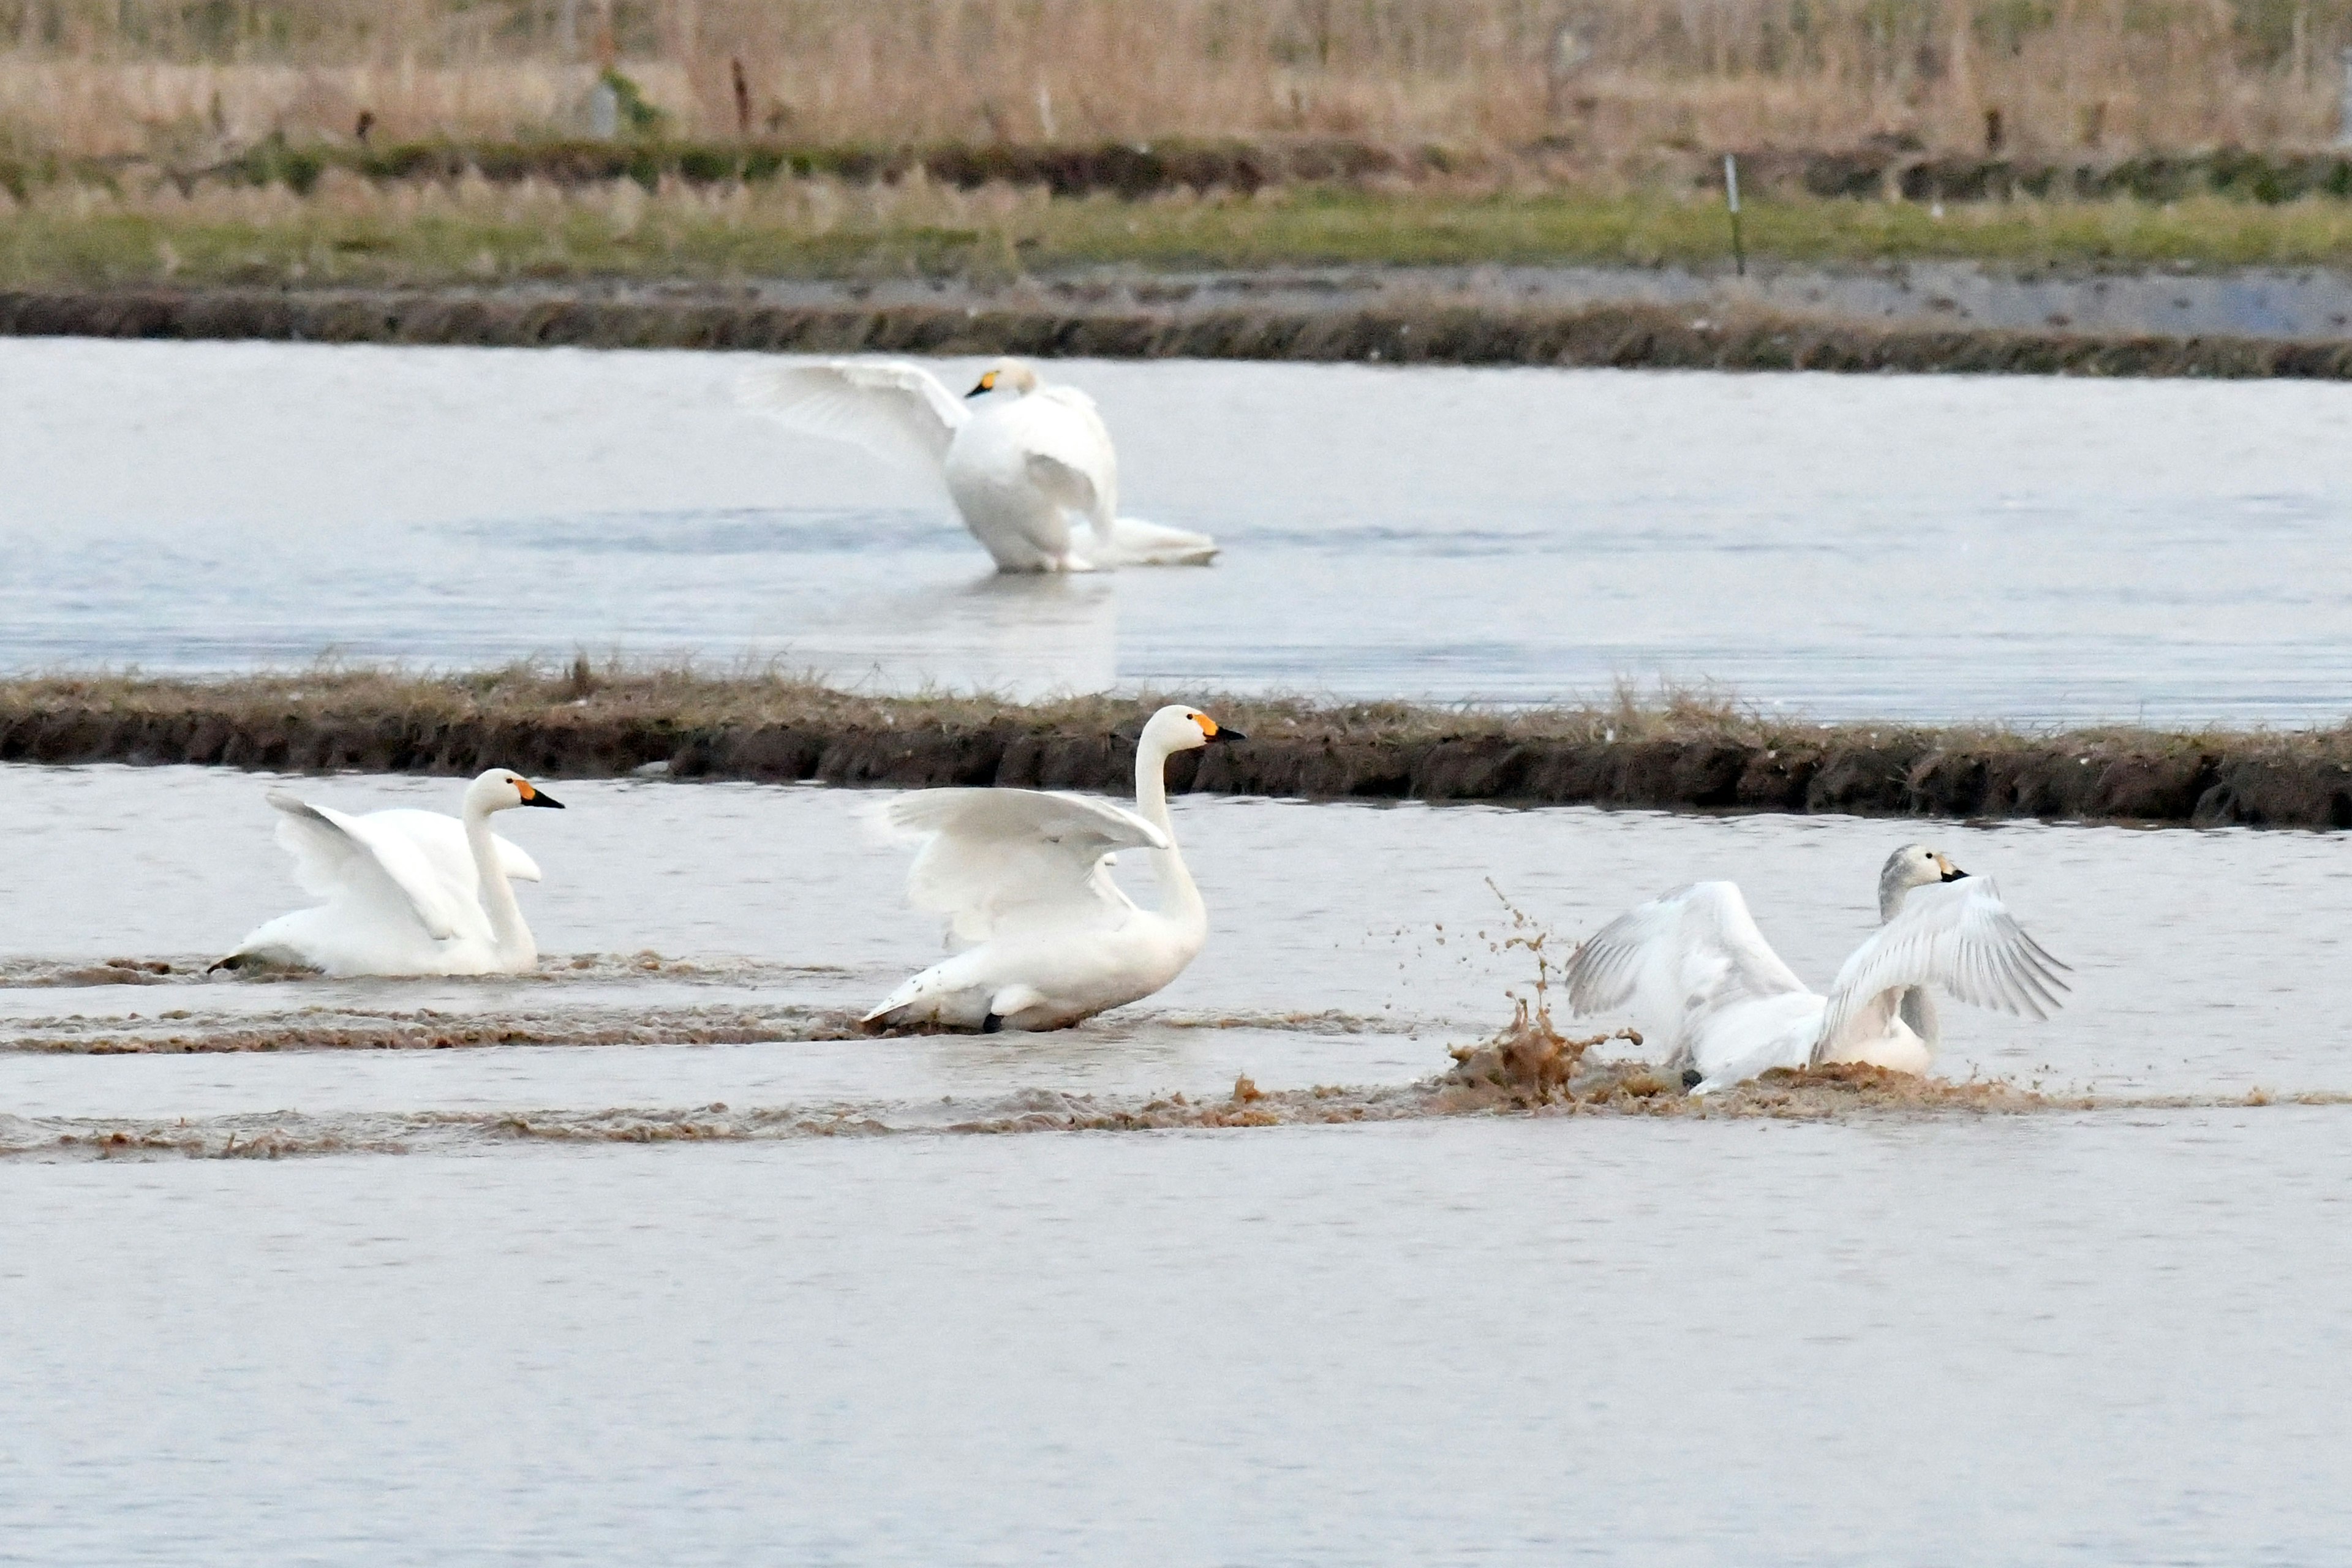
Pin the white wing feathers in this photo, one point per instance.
(1000, 856)
(338, 855)
(1956, 935)
(896, 410)
(1069, 453)
(1674, 959)
(402, 860)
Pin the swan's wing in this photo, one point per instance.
(1956, 935)
(996, 856)
(442, 837)
(1061, 483)
(1069, 453)
(342, 856)
(1673, 961)
(893, 409)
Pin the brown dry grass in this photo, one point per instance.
(689, 697)
(1617, 79)
(692, 698)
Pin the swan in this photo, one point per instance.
(1021, 458)
(404, 889)
(1701, 980)
(1024, 877)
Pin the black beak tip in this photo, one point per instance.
(540, 798)
(1953, 875)
(1225, 733)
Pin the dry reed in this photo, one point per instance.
(1612, 80)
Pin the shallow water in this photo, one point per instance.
(1350, 944)
(2032, 1340)
(2065, 1337)
(1922, 548)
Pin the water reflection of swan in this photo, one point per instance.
(1021, 458)
(404, 889)
(1024, 877)
(1701, 980)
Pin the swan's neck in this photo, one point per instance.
(1179, 900)
(507, 929)
(1915, 1007)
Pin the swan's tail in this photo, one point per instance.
(1135, 542)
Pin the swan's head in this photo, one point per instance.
(1011, 375)
(501, 789)
(1177, 727)
(1913, 865)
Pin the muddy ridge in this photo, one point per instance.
(1622, 336)
(684, 727)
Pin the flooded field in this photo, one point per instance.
(2023, 1339)
(476, 1315)
(1506, 1340)
(2019, 550)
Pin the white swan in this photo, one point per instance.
(1024, 877)
(404, 889)
(1021, 458)
(1701, 980)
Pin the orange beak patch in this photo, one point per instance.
(522, 787)
(1207, 725)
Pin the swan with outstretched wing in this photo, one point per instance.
(406, 891)
(1030, 465)
(1024, 879)
(1702, 984)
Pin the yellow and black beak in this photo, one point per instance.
(1951, 873)
(1214, 732)
(987, 383)
(533, 796)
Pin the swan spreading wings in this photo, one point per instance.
(404, 889)
(1030, 467)
(1024, 878)
(1701, 980)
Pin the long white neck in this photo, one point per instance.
(507, 929)
(1916, 1008)
(1179, 900)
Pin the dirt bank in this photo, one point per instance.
(1623, 336)
(590, 724)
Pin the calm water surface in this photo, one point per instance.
(2037, 1340)
(1900, 547)
(2111, 1336)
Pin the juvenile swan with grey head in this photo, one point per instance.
(1024, 877)
(1022, 460)
(406, 890)
(1701, 982)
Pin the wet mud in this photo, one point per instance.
(1612, 1090)
(455, 728)
(1620, 336)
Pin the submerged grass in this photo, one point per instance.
(353, 232)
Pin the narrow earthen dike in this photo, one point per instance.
(1382, 752)
(1623, 336)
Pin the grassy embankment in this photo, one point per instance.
(1682, 752)
(354, 233)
